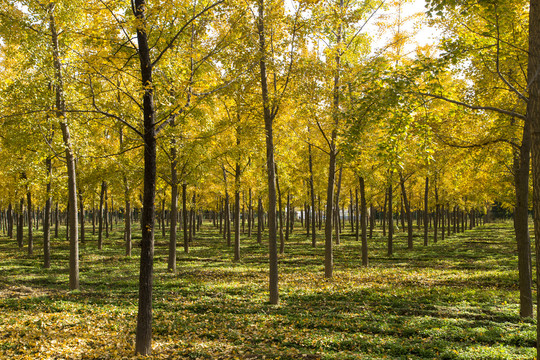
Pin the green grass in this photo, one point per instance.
(457, 299)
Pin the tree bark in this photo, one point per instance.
(10, 220)
(185, 217)
(171, 264)
(288, 224)
(81, 206)
(237, 209)
(312, 194)
(70, 157)
(363, 221)
(426, 214)
(30, 228)
(390, 222)
(410, 242)
(280, 217)
(143, 343)
(47, 217)
(269, 115)
(100, 219)
(437, 213)
(259, 221)
(127, 219)
(521, 223)
(338, 194)
(250, 214)
(20, 225)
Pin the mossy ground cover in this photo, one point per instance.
(457, 299)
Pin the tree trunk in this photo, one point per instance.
(250, 214)
(127, 219)
(410, 242)
(426, 220)
(171, 264)
(371, 220)
(521, 223)
(259, 221)
(338, 192)
(143, 343)
(356, 213)
(56, 220)
(47, 217)
(20, 225)
(269, 116)
(237, 210)
(280, 218)
(384, 212)
(100, 219)
(162, 216)
(437, 213)
(30, 228)
(81, 206)
(106, 213)
(363, 221)
(312, 193)
(390, 222)
(185, 218)
(70, 157)
(227, 219)
(10, 220)
(288, 225)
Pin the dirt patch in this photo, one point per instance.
(18, 292)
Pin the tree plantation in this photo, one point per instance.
(269, 179)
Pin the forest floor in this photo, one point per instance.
(457, 299)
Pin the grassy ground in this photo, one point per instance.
(457, 299)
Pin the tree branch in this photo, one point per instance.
(170, 44)
(475, 107)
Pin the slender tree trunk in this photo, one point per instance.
(338, 192)
(280, 217)
(227, 219)
(47, 217)
(288, 225)
(250, 214)
(437, 212)
(20, 225)
(106, 213)
(127, 219)
(143, 343)
(163, 218)
(237, 210)
(81, 206)
(521, 225)
(371, 220)
(30, 228)
(100, 219)
(56, 220)
(269, 116)
(384, 212)
(185, 217)
(10, 220)
(363, 221)
(259, 221)
(410, 242)
(70, 157)
(243, 213)
(443, 221)
(171, 264)
(312, 193)
(390, 222)
(426, 214)
(356, 212)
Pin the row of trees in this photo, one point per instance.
(263, 105)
